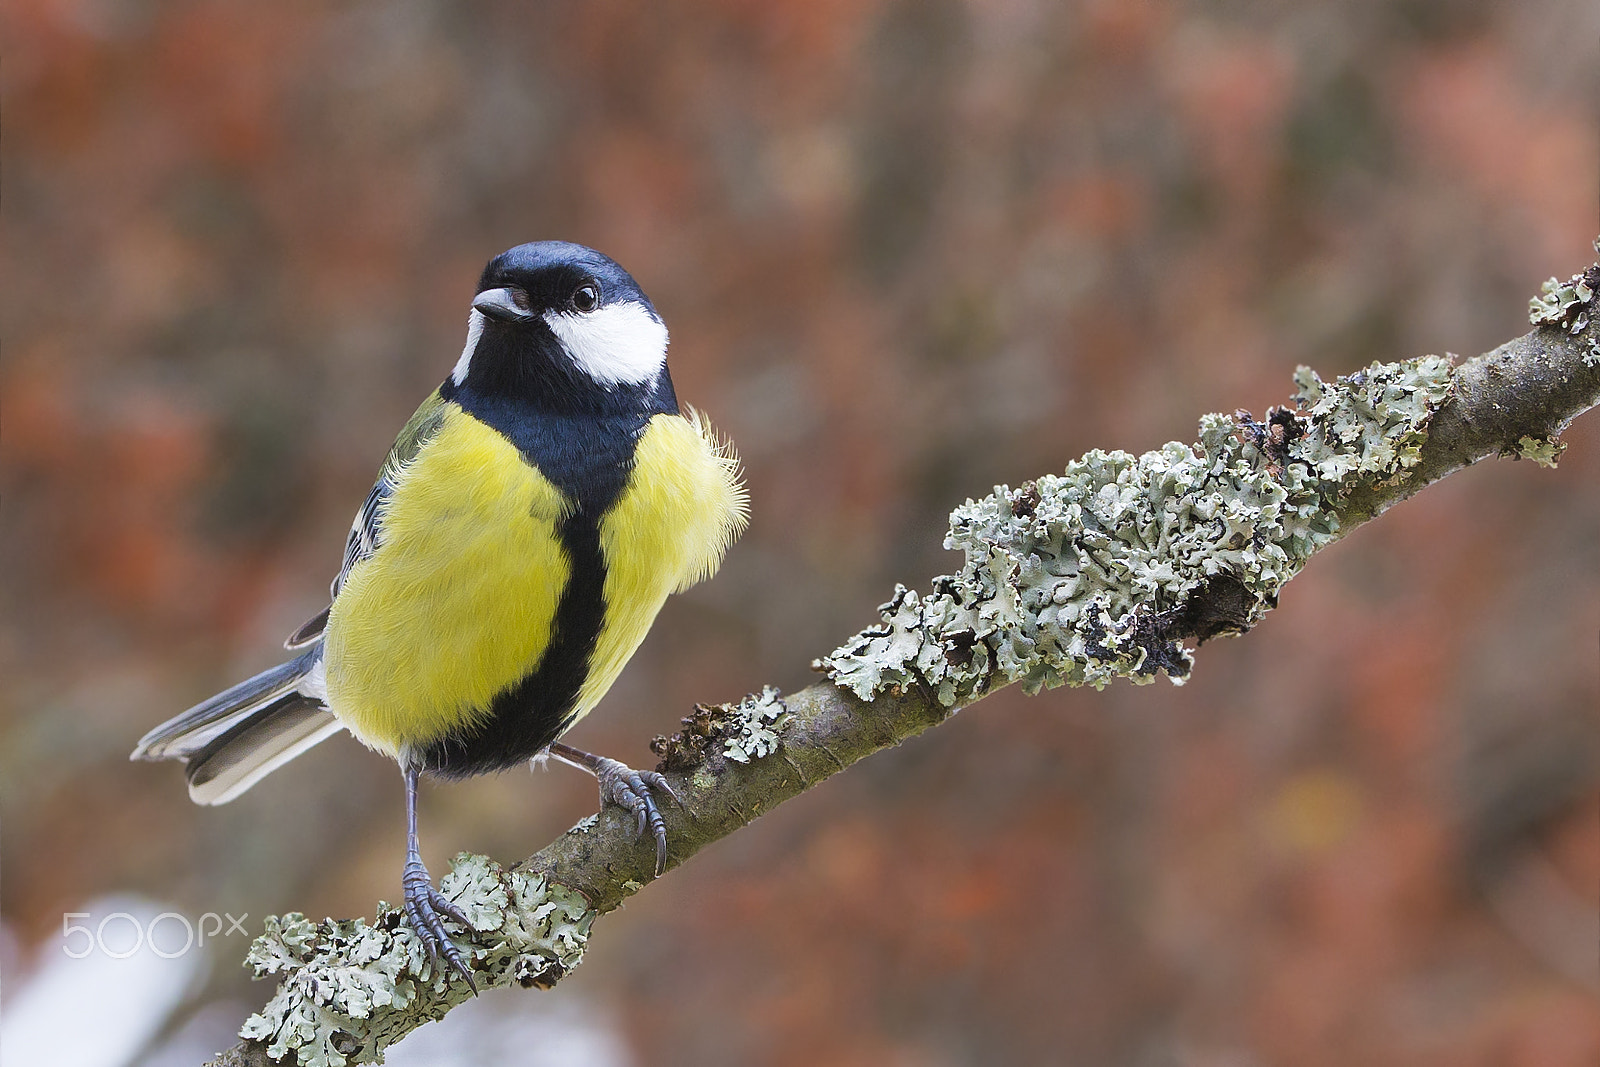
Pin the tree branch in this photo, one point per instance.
(1103, 572)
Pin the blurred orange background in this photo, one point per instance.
(907, 250)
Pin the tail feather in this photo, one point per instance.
(186, 734)
(256, 746)
(232, 740)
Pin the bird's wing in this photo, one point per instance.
(366, 530)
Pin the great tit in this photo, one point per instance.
(523, 532)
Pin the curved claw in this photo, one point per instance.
(630, 789)
(424, 905)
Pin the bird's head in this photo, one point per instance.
(558, 322)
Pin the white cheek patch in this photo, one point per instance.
(475, 322)
(622, 343)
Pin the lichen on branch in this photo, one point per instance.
(1102, 572)
(349, 989)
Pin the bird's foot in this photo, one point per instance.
(426, 908)
(628, 789)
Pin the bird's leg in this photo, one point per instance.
(627, 788)
(423, 903)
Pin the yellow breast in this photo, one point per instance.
(458, 601)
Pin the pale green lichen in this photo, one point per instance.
(1565, 303)
(350, 989)
(1544, 451)
(1591, 358)
(751, 727)
(1562, 304)
(1082, 578)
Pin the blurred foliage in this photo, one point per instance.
(907, 250)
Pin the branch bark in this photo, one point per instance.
(360, 987)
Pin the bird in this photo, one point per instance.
(524, 530)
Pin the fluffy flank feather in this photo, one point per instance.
(731, 498)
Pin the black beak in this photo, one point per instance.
(503, 305)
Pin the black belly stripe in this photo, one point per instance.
(534, 712)
(587, 453)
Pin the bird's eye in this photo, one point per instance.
(586, 297)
